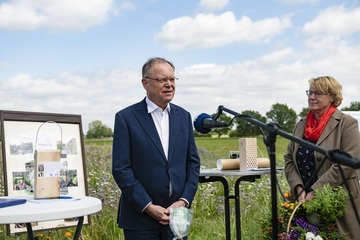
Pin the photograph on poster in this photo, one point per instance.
(20, 146)
(22, 181)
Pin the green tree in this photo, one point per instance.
(246, 129)
(354, 106)
(304, 112)
(98, 130)
(282, 115)
(222, 130)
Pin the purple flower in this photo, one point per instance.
(300, 222)
(305, 225)
(314, 229)
(295, 235)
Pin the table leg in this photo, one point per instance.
(78, 228)
(76, 235)
(226, 199)
(237, 201)
(30, 231)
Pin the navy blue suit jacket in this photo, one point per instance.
(140, 168)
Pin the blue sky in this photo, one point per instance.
(85, 56)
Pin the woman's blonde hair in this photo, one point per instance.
(328, 85)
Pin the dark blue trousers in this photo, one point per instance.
(163, 233)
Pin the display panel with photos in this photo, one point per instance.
(24, 132)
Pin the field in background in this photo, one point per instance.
(208, 221)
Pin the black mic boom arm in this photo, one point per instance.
(336, 155)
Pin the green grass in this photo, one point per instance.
(208, 205)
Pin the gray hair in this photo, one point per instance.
(147, 66)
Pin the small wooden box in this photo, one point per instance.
(47, 174)
(248, 153)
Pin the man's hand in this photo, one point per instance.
(180, 203)
(159, 213)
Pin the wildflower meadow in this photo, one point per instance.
(208, 205)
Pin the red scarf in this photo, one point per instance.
(314, 128)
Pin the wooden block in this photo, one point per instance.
(248, 153)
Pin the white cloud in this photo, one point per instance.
(96, 96)
(250, 85)
(276, 77)
(297, 1)
(54, 14)
(334, 57)
(3, 64)
(209, 30)
(280, 76)
(255, 83)
(338, 21)
(277, 56)
(211, 5)
(124, 5)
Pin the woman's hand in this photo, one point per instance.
(301, 194)
(309, 196)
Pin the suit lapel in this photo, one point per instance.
(330, 126)
(147, 123)
(299, 132)
(174, 125)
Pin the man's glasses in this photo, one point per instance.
(163, 80)
(316, 93)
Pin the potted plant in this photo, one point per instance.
(328, 204)
(294, 217)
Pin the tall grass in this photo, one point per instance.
(208, 221)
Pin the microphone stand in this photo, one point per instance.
(273, 130)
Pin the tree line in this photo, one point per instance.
(279, 113)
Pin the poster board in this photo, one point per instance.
(18, 139)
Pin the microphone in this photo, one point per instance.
(203, 123)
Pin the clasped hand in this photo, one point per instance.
(161, 214)
(303, 196)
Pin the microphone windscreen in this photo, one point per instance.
(198, 122)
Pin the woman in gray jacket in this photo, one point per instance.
(327, 127)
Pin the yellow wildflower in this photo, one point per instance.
(287, 194)
(292, 206)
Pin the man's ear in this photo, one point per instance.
(145, 83)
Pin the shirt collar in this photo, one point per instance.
(151, 106)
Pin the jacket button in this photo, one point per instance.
(318, 158)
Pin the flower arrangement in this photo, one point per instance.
(295, 220)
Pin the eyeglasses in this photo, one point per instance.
(163, 80)
(316, 93)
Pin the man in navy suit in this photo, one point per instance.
(155, 161)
